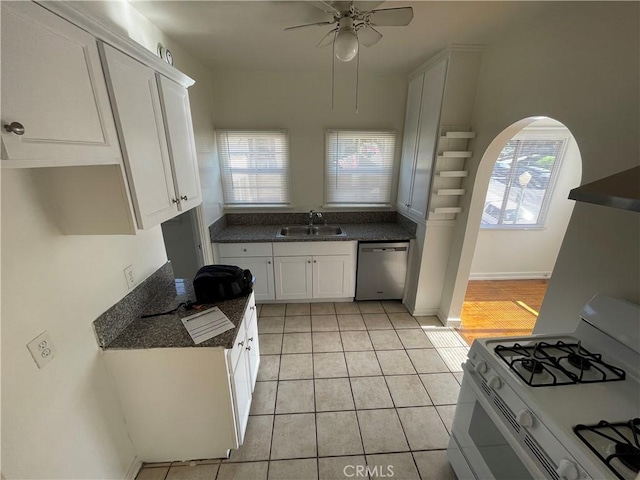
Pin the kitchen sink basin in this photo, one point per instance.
(313, 231)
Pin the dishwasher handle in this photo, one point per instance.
(388, 249)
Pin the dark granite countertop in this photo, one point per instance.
(354, 231)
(167, 331)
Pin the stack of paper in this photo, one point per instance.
(208, 324)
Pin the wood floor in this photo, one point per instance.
(501, 308)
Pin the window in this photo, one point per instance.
(254, 167)
(359, 167)
(522, 183)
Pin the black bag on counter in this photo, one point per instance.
(214, 283)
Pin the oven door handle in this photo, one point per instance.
(470, 377)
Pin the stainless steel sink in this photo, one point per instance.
(294, 231)
(315, 231)
(327, 231)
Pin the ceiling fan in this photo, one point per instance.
(355, 26)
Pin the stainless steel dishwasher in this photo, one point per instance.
(382, 268)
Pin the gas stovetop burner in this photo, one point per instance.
(615, 444)
(629, 456)
(549, 364)
(578, 361)
(532, 365)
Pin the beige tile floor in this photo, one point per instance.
(342, 387)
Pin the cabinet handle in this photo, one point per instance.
(244, 249)
(184, 197)
(248, 348)
(15, 127)
(174, 200)
(250, 340)
(269, 262)
(315, 261)
(308, 261)
(240, 344)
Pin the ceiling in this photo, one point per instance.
(248, 35)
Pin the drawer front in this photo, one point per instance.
(293, 249)
(239, 345)
(245, 249)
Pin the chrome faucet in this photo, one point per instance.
(311, 214)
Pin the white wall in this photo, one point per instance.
(521, 253)
(65, 422)
(579, 64)
(301, 103)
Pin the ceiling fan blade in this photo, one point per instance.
(391, 17)
(326, 7)
(317, 24)
(369, 36)
(327, 39)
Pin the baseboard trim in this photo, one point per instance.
(134, 469)
(426, 312)
(511, 276)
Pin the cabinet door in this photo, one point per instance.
(136, 102)
(410, 142)
(182, 147)
(432, 93)
(253, 347)
(293, 276)
(332, 276)
(262, 269)
(240, 381)
(53, 85)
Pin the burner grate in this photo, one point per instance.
(626, 451)
(552, 364)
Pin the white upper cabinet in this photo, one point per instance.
(410, 141)
(182, 149)
(136, 102)
(424, 102)
(53, 92)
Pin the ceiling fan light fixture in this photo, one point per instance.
(346, 44)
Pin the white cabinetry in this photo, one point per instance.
(257, 257)
(244, 362)
(124, 155)
(52, 85)
(136, 102)
(182, 148)
(310, 270)
(187, 403)
(424, 102)
(294, 277)
(154, 124)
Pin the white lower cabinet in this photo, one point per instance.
(332, 276)
(293, 277)
(188, 403)
(262, 269)
(309, 270)
(295, 270)
(257, 257)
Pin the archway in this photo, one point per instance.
(517, 220)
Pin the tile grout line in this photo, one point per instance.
(349, 376)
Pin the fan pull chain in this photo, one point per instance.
(357, 69)
(333, 66)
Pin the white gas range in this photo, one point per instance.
(553, 406)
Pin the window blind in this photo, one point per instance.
(254, 166)
(359, 167)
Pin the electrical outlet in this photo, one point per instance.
(42, 349)
(130, 275)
